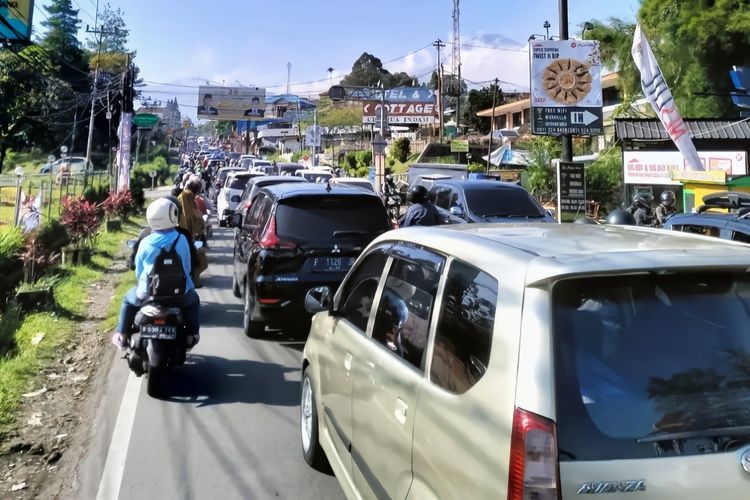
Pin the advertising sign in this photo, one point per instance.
(123, 153)
(459, 146)
(313, 134)
(17, 15)
(566, 87)
(231, 103)
(145, 120)
(400, 113)
(394, 95)
(571, 191)
(665, 167)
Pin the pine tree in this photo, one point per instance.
(62, 44)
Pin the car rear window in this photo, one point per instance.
(331, 218)
(238, 182)
(502, 203)
(640, 358)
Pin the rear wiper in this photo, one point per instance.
(743, 430)
(344, 234)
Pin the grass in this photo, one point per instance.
(19, 368)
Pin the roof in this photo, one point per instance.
(695, 218)
(275, 179)
(653, 130)
(291, 190)
(247, 174)
(479, 184)
(558, 250)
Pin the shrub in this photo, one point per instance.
(53, 236)
(362, 172)
(11, 243)
(364, 158)
(401, 149)
(137, 191)
(96, 195)
(350, 160)
(118, 205)
(36, 258)
(81, 220)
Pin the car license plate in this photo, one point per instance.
(159, 332)
(332, 264)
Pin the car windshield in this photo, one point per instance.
(502, 203)
(641, 357)
(316, 176)
(238, 183)
(330, 218)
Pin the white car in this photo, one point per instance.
(360, 182)
(75, 165)
(262, 166)
(231, 194)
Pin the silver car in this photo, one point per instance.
(533, 361)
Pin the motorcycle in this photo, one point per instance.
(159, 341)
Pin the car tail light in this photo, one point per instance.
(533, 458)
(269, 301)
(271, 240)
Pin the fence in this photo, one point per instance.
(48, 191)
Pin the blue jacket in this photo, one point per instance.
(149, 250)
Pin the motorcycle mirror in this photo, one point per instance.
(198, 245)
(131, 244)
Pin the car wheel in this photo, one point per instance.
(308, 418)
(236, 287)
(253, 329)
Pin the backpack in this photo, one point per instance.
(167, 279)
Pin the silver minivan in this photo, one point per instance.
(533, 362)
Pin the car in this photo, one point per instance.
(359, 182)
(229, 196)
(480, 201)
(288, 168)
(730, 225)
(314, 175)
(532, 361)
(255, 184)
(298, 236)
(263, 166)
(220, 179)
(75, 165)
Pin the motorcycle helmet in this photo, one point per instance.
(416, 194)
(667, 198)
(643, 200)
(621, 217)
(584, 220)
(162, 214)
(174, 200)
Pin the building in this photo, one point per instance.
(170, 117)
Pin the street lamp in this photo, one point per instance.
(19, 182)
(547, 26)
(330, 74)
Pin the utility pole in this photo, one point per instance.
(288, 77)
(438, 44)
(492, 125)
(565, 139)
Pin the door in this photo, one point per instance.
(245, 236)
(389, 371)
(337, 355)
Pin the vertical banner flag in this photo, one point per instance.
(657, 91)
(123, 153)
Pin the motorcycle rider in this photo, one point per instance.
(422, 211)
(162, 216)
(666, 207)
(622, 217)
(642, 209)
(191, 219)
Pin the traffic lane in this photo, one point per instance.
(229, 425)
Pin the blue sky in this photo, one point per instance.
(189, 42)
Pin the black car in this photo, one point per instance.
(256, 183)
(288, 168)
(480, 201)
(298, 236)
(731, 225)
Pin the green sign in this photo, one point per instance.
(459, 146)
(145, 120)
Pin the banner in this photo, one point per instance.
(231, 103)
(665, 167)
(123, 152)
(399, 113)
(17, 14)
(657, 91)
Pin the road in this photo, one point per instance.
(229, 427)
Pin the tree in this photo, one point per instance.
(368, 71)
(477, 100)
(604, 179)
(110, 51)
(63, 46)
(540, 175)
(401, 149)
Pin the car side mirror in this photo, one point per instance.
(235, 220)
(318, 299)
(457, 211)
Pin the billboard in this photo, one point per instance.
(231, 103)
(400, 113)
(664, 167)
(566, 87)
(396, 94)
(17, 16)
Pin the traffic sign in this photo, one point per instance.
(145, 120)
(573, 120)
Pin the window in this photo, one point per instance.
(359, 290)
(696, 229)
(442, 198)
(403, 317)
(257, 216)
(463, 338)
(741, 237)
(689, 201)
(502, 202)
(517, 119)
(454, 200)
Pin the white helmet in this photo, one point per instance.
(162, 214)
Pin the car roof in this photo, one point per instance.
(275, 179)
(292, 190)
(282, 164)
(232, 169)
(478, 184)
(695, 219)
(358, 180)
(560, 250)
(245, 173)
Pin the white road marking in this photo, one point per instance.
(109, 486)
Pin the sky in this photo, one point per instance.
(181, 44)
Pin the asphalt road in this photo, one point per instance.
(229, 428)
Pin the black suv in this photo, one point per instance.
(731, 225)
(481, 201)
(298, 236)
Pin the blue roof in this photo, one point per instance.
(292, 99)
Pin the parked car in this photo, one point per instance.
(298, 236)
(730, 225)
(75, 165)
(229, 196)
(220, 179)
(480, 201)
(288, 168)
(548, 360)
(360, 182)
(255, 184)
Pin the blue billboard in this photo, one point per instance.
(15, 20)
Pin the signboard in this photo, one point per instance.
(17, 14)
(566, 87)
(145, 120)
(123, 152)
(459, 146)
(231, 103)
(665, 167)
(571, 191)
(312, 135)
(394, 95)
(399, 113)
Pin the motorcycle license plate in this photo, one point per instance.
(332, 264)
(159, 332)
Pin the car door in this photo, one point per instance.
(248, 234)
(337, 354)
(388, 372)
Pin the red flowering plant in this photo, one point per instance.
(81, 220)
(118, 204)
